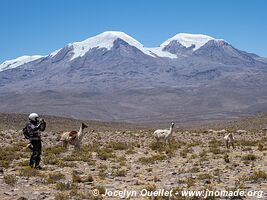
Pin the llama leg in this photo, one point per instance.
(65, 144)
(227, 144)
(233, 145)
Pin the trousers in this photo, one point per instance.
(36, 152)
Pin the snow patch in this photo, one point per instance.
(187, 40)
(105, 40)
(158, 51)
(10, 64)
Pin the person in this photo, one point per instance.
(34, 128)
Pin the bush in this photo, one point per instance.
(55, 177)
(247, 143)
(258, 176)
(204, 176)
(118, 145)
(30, 172)
(249, 157)
(7, 155)
(10, 179)
(152, 159)
(63, 186)
(105, 154)
(119, 172)
(61, 196)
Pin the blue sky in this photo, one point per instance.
(31, 27)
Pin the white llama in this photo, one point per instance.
(164, 134)
(229, 140)
(73, 137)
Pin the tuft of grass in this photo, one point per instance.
(76, 178)
(10, 179)
(102, 174)
(64, 186)
(247, 142)
(261, 147)
(105, 154)
(152, 159)
(249, 157)
(185, 151)
(54, 150)
(8, 154)
(55, 177)
(88, 178)
(258, 177)
(215, 150)
(101, 189)
(161, 145)
(116, 145)
(30, 172)
(150, 187)
(119, 172)
(215, 143)
(51, 159)
(204, 176)
(190, 182)
(61, 196)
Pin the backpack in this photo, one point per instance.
(25, 132)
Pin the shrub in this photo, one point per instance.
(247, 143)
(116, 145)
(7, 155)
(29, 172)
(55, 177)
(204, 176)
(152, 159)
(258, 176)
(61, 196)
(119, 172)
(150, 187)
(215, 150)
(63, 186)
(249, 157)
(10, 179)
(185, 151)
(105, 154)
(54, 150)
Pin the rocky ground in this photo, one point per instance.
(118, 157)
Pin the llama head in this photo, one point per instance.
(172, 124)
(84, 126)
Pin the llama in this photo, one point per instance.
(229, 140)
(164, 134)
(73, 138)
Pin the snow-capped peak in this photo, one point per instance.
(188, 40)
(9, 64)
(105, 40)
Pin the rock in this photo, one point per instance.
(1, 170)
(22, 198)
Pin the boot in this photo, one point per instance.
(38, 167)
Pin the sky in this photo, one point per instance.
(38, 27)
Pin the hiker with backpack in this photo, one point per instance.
(32, 132)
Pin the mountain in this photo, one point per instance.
(10, 64)
(113, 77)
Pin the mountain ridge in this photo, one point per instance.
(123, 83)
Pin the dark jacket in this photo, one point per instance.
(34, 129)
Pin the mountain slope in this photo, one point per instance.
(114, 77)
